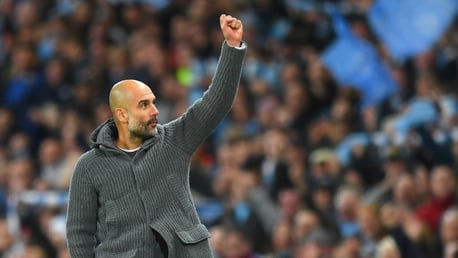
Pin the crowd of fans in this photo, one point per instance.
(297, 169)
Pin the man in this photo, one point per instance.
(443, 196)
(129, 195)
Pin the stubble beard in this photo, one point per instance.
(141, 130)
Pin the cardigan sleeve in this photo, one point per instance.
(81, 214)
(190, 130)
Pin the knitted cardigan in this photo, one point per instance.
(117, 203)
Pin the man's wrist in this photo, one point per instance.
(234, 44)
(241, 45)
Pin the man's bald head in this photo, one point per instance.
(120, 94)
(132, 104)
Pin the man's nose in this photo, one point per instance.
(155, 111)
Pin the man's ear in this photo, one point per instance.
(121, 115)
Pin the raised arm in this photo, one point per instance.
(188, 131)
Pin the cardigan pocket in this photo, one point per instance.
(123, 215)
(111, 219)
(194, 235)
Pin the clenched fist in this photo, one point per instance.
(232, 29)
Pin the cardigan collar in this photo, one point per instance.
(106, 133)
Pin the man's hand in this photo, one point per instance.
(232, 29)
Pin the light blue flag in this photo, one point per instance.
(419, 111)
(355, 62)
(409, 27)
(343, 150)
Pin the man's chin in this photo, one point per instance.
(151, 132)
(145, 134)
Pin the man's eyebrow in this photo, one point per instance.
(146, 101)
(142, 101)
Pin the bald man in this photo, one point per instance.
(129, 194)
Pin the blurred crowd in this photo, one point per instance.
(298, 169)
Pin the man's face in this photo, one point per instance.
(143, 114)
(442, 182)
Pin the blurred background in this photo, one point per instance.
(342, 141)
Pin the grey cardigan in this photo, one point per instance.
(116, 201)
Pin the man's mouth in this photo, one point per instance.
(152, 122)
